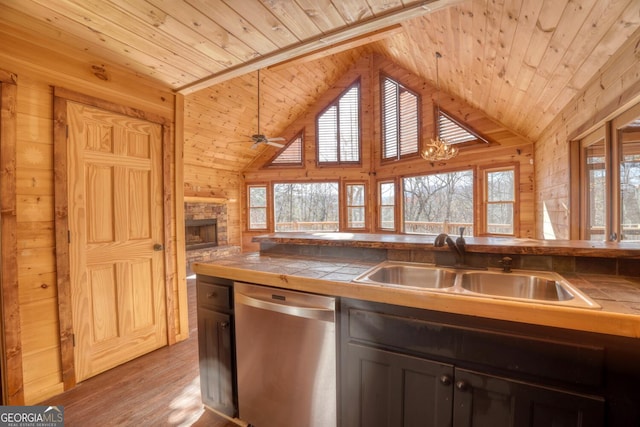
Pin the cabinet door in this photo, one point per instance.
(215, 353)
(483, 400)
(388, 389)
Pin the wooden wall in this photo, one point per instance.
(613, 90)
(39, 66)
(508, 148)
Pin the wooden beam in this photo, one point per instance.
(319, 43)
(340, 47)
(11, 333)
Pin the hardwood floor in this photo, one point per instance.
(161, 388)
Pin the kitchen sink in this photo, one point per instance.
(410, 275)
(519, 285)
(516, 285)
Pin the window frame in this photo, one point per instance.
(398, 142)
(335, 103)
(298, 182)
(610, 130)
(450, 230)
(268, 206)
(482, 217)
(271, 164)
(344, 206)
(395, 207)
(480, 139)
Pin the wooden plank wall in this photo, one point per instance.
(614, 89)
(509, 148)
(38, 70)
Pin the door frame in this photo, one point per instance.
(11, 334)
(60, 122)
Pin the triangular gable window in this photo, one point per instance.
(291, 154)
(453, 132)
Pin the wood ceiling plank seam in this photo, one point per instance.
(179, 36)
(547, 21)
(91, 26)
(550, 15)
(506, 36)
(265, 21)
(492, 31)
(103, 21)
(235, 25)
(479, 32)
(465, 62)
(293, 18)
(323, 14)
(353, 10)
(224, 47)
(526, 23)
(409, 51)
(450, 71)
(624, 27)
(563, 38)
(192, 43)
(383, 6)
(82, 37)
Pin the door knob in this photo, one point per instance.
(158, 247)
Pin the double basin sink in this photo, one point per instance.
(519, 285)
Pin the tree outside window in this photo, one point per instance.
(306, 206)
(355, 202)
(257, 195)
(500, 201)
(438, 203)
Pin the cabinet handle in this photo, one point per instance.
(224, 325)
(462, 385)
(211, 295)
(445, 380)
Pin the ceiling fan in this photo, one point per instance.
(259, 138)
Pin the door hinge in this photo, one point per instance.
(73, 339)
(68, 236)
(67, 130)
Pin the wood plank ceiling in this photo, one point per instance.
(519, 61)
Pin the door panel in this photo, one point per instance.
(115, 219)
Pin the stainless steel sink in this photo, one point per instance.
(409, 275)
(512, 285)
(519, 285)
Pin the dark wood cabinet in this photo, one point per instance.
(216, 344)
(407, 371)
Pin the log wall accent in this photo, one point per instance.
(38, 70)
(508, 147)
(614, 89)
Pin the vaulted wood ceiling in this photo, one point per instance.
(519, 61)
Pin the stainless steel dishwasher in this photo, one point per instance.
(286, 357)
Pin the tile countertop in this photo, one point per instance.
(618, 296)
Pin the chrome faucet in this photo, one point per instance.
(457, 246)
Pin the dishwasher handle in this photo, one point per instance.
(315, 313)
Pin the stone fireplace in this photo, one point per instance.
(206, 235)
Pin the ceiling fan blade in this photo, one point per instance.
(275, 144)
(277, 138)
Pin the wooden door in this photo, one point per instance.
(115, 238)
